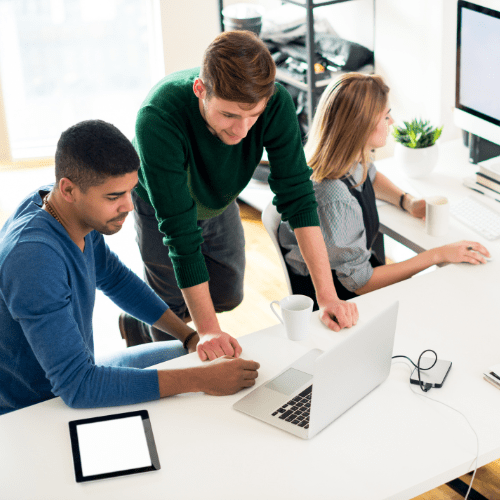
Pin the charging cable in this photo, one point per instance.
(427, 386)
(444, 404)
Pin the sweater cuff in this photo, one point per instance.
(304, 219)
(159, 310)
(146, 388)
(188, 275)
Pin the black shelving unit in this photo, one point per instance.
(310, 86)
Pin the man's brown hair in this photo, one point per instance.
(237, 66)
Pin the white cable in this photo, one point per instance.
(454, 409)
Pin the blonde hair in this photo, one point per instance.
(347, 114)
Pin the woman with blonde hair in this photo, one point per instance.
(353, 119)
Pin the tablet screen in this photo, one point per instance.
(113, 445)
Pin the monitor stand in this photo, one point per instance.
(481, 150)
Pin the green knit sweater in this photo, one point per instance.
(189, 174)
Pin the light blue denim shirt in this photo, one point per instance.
(341, 220)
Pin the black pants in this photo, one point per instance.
(303, 285)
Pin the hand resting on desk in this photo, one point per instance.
(221, 377)
(214, 345)
(414, 207)
(462, 251)
(338, 314)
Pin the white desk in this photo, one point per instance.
(391, 445)
(446, 180)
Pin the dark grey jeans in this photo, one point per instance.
(223, 249)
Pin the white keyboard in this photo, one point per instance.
(478, 217)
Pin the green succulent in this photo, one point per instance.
(417, 134)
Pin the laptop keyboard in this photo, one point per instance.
(297, 410)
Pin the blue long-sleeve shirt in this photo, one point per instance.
(47, 294)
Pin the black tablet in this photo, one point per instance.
(114, 445)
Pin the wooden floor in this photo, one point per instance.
(264, 280)
(263, 283)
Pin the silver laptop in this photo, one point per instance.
(320, 386)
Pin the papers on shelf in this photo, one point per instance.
(492, 375)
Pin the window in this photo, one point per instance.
(64, 61)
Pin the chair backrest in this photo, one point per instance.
(271, 219)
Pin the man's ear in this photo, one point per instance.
(199, 89)
(67, 189)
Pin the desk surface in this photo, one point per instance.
(400, 444)
(445, 180)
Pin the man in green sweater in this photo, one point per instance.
(200, 135)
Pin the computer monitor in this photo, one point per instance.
(477, 102)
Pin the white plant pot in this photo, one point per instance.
(416, 162)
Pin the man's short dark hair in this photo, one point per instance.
(91, 151)
(237, 66)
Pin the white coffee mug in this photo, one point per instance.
(296, 315)
(437, 215)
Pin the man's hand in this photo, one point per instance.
(339, 314)
(221, 377)
(215, 345)
(227, 375)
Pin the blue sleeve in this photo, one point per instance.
(123, 287)
(55, 320)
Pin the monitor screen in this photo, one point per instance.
(478, 70)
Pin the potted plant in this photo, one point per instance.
(416, 148)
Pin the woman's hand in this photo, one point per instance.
(463, 251)
(414, 207)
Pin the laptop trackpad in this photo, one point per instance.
(288, 382)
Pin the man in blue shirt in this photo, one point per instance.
(53, 257)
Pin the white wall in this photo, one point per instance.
(352, 20)
(415, 53)
(188, 27)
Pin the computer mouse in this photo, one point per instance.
(488, 259)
